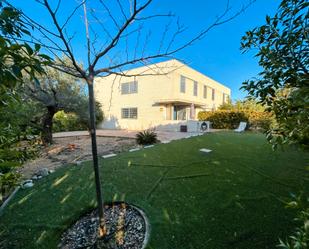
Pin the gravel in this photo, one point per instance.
(126, 229)
(69, 150)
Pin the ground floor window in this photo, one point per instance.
(129, 113)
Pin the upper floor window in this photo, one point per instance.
(213, 94)
(129, 87)
(195, 85)
(225, 98)
(129, 113)
(205, 92)
(182, 84)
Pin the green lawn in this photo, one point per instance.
(230, 198)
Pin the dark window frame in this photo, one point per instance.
(129, 113)
(182, 84)
(129, 87)
(205, 92)
(195, 88)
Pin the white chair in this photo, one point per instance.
(242, 126)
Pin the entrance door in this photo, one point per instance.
(180, 112)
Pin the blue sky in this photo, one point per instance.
(217, 55)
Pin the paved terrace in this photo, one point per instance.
(162, 135)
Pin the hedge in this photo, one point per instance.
(230, 119)
(260, 120)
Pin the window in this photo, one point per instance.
(213, 94)
(205, 92)
(129, 113)
(224, 98)
(182, 84)
(195, 84)
(129, 87)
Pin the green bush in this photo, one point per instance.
(67, 122)
(225, 119)
(146, 137)
(17, 153)
(260, 120)
(7, 182)
(7, 166)
(10, 159)
(78, 121)
(12, 155)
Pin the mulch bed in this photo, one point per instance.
(126, 229)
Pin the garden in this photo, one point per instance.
(215, 190)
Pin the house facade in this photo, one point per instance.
(167, 95)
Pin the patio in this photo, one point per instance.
(162, 135)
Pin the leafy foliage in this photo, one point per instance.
(248, 105)
(7, 181)
(16, 61)
(300, 239)
(83, 114)
(17, 58)
(56, 92)
(17, 123)
(12, 155)
(146, 137)
(67, 122)
(283, 85)
(226, 119)
(260, 120)
(223, 119)
(75, 121)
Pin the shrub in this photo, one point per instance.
(224, 119)
(67, 122)
(300, 238)
(260, 120)
(7, 182)
(76, 121)
(10, 159)
(146, 137)
(7, 166)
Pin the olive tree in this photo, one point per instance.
(55, 91)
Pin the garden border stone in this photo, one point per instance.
(109, 155)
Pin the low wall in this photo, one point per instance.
(162, 125)
(174, 125)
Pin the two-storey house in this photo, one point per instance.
(168, 94)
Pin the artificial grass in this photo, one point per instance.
(232, 197)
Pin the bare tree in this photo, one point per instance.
(117, 35)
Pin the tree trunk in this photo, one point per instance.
(47, 131)
(102, 227)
